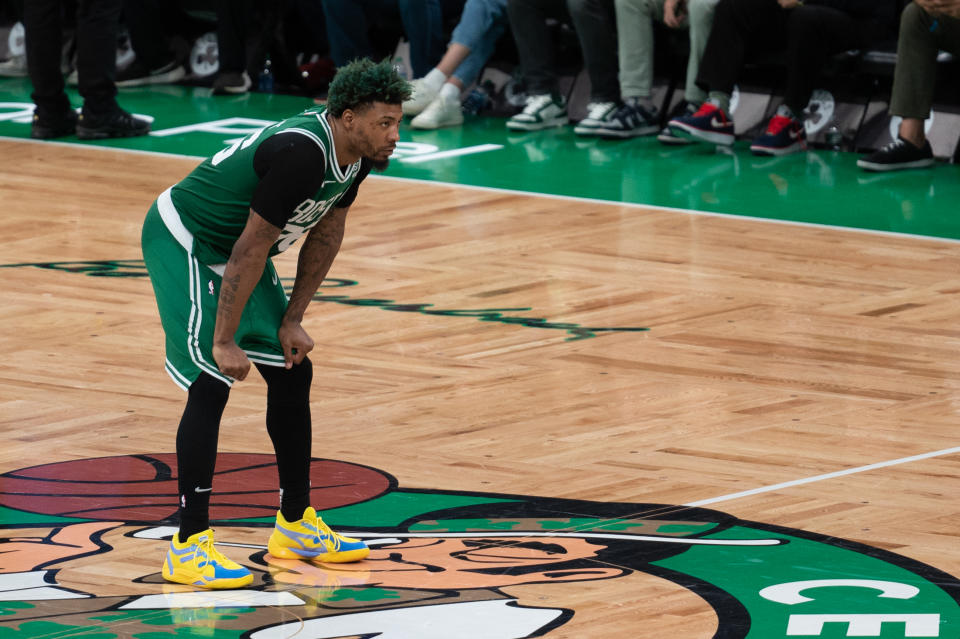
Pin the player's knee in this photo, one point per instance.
(288, 386)
(209, 389)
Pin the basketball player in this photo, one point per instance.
(207, 243)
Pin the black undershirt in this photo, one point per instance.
(291, 168)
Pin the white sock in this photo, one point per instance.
(786, 112)
(435, 79)
(450, 92)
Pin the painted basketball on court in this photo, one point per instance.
(143, 488)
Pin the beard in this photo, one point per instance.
(379, 165)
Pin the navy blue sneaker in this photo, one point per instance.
(709, 124)
(628, 121)
(783, 135)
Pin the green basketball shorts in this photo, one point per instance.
(187, 293)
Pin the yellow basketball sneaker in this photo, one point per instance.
(197, 562)
(310, 538)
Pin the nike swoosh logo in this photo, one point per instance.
(274, 279)
(716, 123)
(202, 490)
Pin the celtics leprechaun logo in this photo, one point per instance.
(80, 544)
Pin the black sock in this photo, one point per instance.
(289, 427)
(197, 452)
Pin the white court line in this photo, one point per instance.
(567, 198)
(810, 480)
(467, 150)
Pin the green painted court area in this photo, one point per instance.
(819, 187)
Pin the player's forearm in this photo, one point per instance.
(242, 272)
(316, 257)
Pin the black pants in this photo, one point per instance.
(97, 22)
(808, 34)
(595, 24)
(146, 21)
(234, 32)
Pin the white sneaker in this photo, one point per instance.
(422, 96)
(442, 112)
(598, 113)
(541, 112)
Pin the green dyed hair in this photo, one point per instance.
(363, 82)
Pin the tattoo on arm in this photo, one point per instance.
(316, 257)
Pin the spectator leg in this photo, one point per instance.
(813, 34)
(44, 36)
(143, 18)
(701, 22)
(534, 44)
(481, 25)
(347, 30)
(232, 29)
(423, 25)
(915, 75)
(595, 23)
(97, 24)
(635, 45)
(735, 24)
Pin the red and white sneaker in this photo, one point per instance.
(784, 135)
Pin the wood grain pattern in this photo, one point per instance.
(775, 352)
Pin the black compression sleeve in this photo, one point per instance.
(291, 167)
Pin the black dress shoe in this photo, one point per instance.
(46, 126)
(114, 124)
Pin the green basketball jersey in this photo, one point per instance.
(214, 200)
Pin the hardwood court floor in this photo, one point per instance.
(774, 353)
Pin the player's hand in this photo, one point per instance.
(231, 360)
(295, 341)
(789, 4)
(939, 8)
(675, 13)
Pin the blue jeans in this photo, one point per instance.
(481, 25)
(348, 29)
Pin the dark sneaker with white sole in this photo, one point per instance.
(137, 75)
(597, 115)
(897, 156)
(115, 124)
(666, 136)
(784, 134)
(709, 124)
(629, 121)
(541, 112)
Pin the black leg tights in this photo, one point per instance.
(289, 427)
(197, 451)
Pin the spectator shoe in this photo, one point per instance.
(231, 83)
(137, 74)
(541, 112)
(709, 124)
(630, 120)
(898, 155)
(45, 126)
(423, 95)
(113, 124)
(441, 112)
(784, 135)
(597, 114)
